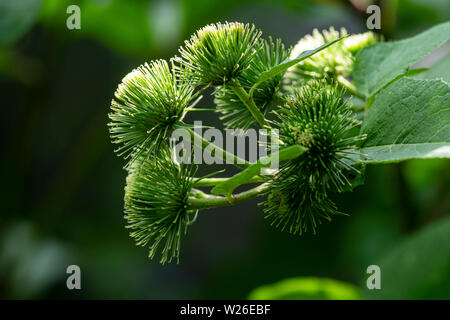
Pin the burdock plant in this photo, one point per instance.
(318, 118)
(333, 104)
(156, 204)
(149, 102)
(218, 53)
(268, 54)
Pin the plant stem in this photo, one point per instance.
(226, 188)
(369, 103)
(209, 182)
(350, 87)
(208, 201)
(358, 108)
(248, 102)
(225, 155)
(200, 109)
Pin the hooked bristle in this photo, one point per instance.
(149, 102)
(218, 53)
(156, 205)
(318, 118)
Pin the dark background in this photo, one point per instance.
(62, 185)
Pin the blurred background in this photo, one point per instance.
(62, 185)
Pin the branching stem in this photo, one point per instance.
(219, 152)
(207, 201)
(248, 102)
(210, 182)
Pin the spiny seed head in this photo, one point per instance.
(148, 103)
(296, 205)
(156, 205)
(268, 54)
(218, 53)
(336, 60)
(318, 118)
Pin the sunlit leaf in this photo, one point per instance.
(377, 65)
(409, 119)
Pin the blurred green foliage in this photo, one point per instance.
(16, 18)
(418, 267)
(28, 262)
(62, 184)
(415, 14)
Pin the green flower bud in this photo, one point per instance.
(318, 118)
(156, 201)
(218, 53)
(268, 54)
(336, 60)
(149, 102)
(297, 205)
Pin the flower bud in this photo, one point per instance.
(218, 53)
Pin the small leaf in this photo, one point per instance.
(306, 288)
(418, 268)
(378, 65)
(226, 188)
(286, 64)
(409, 119)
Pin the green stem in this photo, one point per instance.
(225, 155)
(226, 188)
(210, 182)
(248, 102)
(358, 108)
(209, 201)
(200, 109)
(350, 87)
(369, 103)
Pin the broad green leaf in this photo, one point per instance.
(286, 64)
(409, 119)
(440, 70)
(418, 268)
(16, 18)
(378, 65)
(306, 288)
(226, 188)
(395, 153)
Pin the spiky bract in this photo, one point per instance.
(156, 205)
(218, 53)
(149, 102)
(268, 54)
(317, 118)
(296, 205)
(336, 60)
